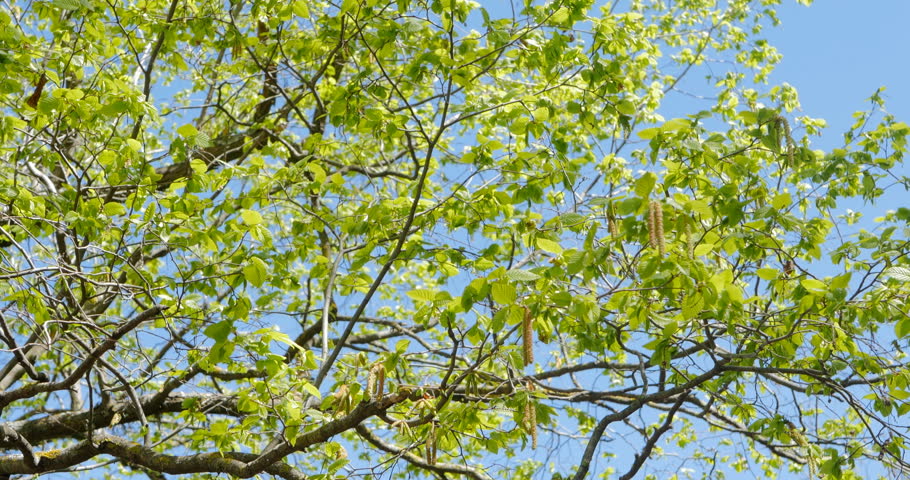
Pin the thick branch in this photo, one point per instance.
(232, 463)
(72, 424)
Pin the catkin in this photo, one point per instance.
(431, 445)
(376, 382)
(659, 223)
(611, 222)
(371, 383)
(784, 125)
(690, 240)
(530, 416)
(652, 225)
(527, 336)
(380, 381)
(656, 227)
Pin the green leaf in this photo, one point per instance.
(548, 245)
(645, 184)
(251, 217)
(202, 140)
(68, 4)
(219, 331)
(626, 107)
(703, 249)
(768, 273)
(503, 293)
(311, 389)
(840, 281)
(421, 295)
(318, 172)
(648, 133)
(522, 275)
(814, 285)
(692, 305)
(301, 8)
(570, 219)
(676, 124)
(700, 207)
(541, 114)
(256, 271)
(560, 15)
(187, 131)
(348, 5)
(780, 201)
(112, 209)
(898, 273)
(198, 166)
(902, 328)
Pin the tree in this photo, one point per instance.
(527, 259)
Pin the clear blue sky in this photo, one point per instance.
(838, 52)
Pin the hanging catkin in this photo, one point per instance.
(659, 223)
(380, 381)
(530, 416)
(431, 445)
(783, 126)
(656, 227)
(690, 240)
(652, 225)
(376, 382)
(527, 336)
(611, 222)
(371, 382)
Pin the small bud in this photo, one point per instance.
(788, 268)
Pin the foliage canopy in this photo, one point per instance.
(528, 260)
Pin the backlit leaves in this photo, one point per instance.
(487, 206)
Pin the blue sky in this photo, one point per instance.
(838, 52)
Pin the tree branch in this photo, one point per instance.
(476, 474)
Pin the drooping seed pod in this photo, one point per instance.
(527, 336)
